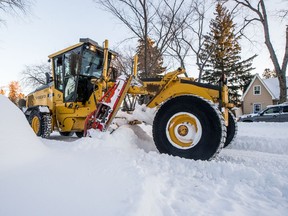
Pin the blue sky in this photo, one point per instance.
(55, 24)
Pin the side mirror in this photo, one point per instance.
(48, 78)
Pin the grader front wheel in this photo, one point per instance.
(189, 127)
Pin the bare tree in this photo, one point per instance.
(172, 18)
(177, 48)
(35, 75)
(147, 19)
(198, 37)
(189, 37)
(196, 30)
(268, 73)
(259, 14)
(283, 13)
(134, 14)
(14, 6)
(123, 63)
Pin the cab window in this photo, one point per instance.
(92, 64)
(58, 68)
(71, 68)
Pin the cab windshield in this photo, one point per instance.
(74, 69)
(92, 64)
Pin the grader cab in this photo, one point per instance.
(192, 119)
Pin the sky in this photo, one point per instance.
(56, 24)
(51, 26)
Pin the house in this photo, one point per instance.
(259, 94)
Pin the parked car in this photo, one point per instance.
(273, 113)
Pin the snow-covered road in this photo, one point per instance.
(123, 173)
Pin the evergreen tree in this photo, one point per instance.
(154, 59)
(225, 58)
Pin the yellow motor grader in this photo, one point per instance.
(192, 119)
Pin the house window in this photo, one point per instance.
(257, 90)
(256, 107)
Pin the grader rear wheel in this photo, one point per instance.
(36, 124)
(40, 123)
(189, 127)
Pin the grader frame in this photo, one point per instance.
(192, 120)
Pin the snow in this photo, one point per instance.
(15, 149)
(273, 85)
(123, 174)
(43, 109)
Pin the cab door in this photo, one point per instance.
(71, 74)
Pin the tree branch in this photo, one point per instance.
(285, 58)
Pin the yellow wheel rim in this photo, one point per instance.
(183, 130)
(35, 124)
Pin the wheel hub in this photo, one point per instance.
(183, 130)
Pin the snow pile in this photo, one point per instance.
(141, 113)
(18, 143)
(123, 174)
(269, 137)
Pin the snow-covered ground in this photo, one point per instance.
(123, 174)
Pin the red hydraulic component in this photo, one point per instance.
(108, 105)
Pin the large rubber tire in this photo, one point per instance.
(68, 134)
(231, 129)
(40, 123)
(189, 127)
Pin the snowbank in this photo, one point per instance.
(18, 143)
(123, 174)
(263, 137)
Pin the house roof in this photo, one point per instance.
(271, 84)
